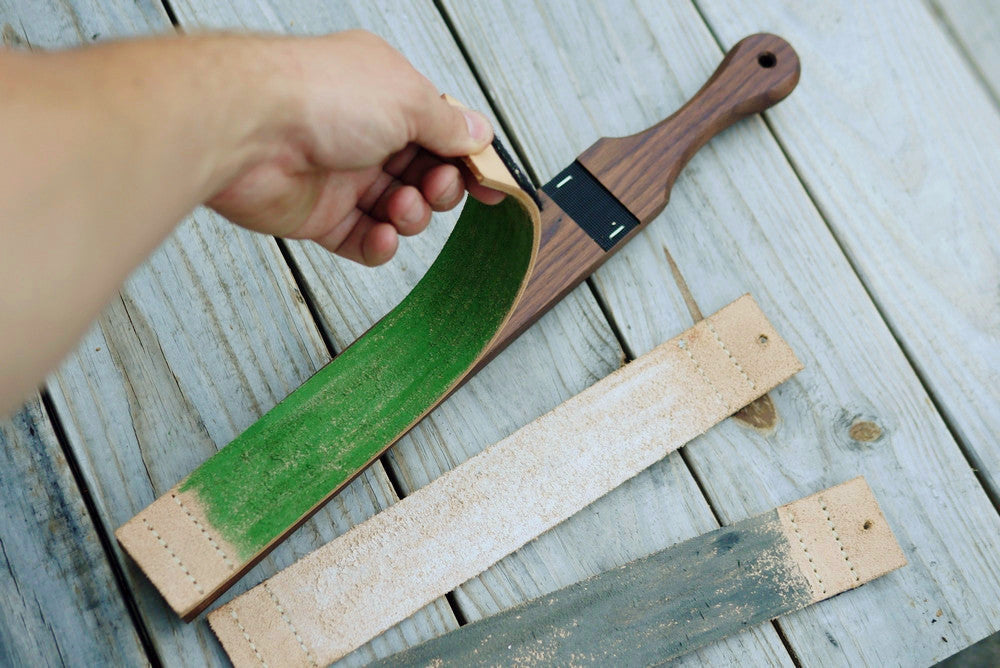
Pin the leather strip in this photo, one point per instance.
(385, 569)
(198, 538)
(658, 607)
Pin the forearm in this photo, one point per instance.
(104, 151)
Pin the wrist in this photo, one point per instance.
(261, 102)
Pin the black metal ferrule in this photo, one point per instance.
(591, 205)
(516, 171)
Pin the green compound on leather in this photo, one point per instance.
(319, 437)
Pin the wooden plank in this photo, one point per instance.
(567, 351)
(975, 24)
(899, 159)
(59, 602)
(355, 587)
(206, 336)
(662, 606)
(740, 220)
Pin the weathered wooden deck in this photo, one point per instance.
(861, 213)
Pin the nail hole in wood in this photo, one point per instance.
(867, 525)
(762, 338)
(767, 60)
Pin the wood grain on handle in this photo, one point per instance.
(640, 169)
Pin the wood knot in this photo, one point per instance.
(761, 414)
(865, 431)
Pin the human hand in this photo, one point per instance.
(353, 155)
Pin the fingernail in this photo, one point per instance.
(453, 193)
(479, 127)
(414, 215)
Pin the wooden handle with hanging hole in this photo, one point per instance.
(640, 169)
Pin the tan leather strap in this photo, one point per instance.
(839, 539)
(383, 570)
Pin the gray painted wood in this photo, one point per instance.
(59, 603)
(566, 352)
(740, 220)
(51, 24)
(909, 181)
(644, 613)
(975, 25)
(204, 338)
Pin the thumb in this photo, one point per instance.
(448, 129)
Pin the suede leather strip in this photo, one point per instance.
(197, 539)
(658, 607)
(385, 569)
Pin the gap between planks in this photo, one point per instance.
(169, 11)
(953, 33)
(94, 517)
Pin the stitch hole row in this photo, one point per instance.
(284, 615)
(805, 551)
(836, 537)
(729, 353)
(239, 625)
(173, 555)
(683, 345)
(198, 525)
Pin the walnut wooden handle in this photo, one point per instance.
(640, 169)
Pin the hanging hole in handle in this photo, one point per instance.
(767, 60)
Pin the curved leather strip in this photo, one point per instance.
(201, 536)
(679, 599)
(385, 569)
